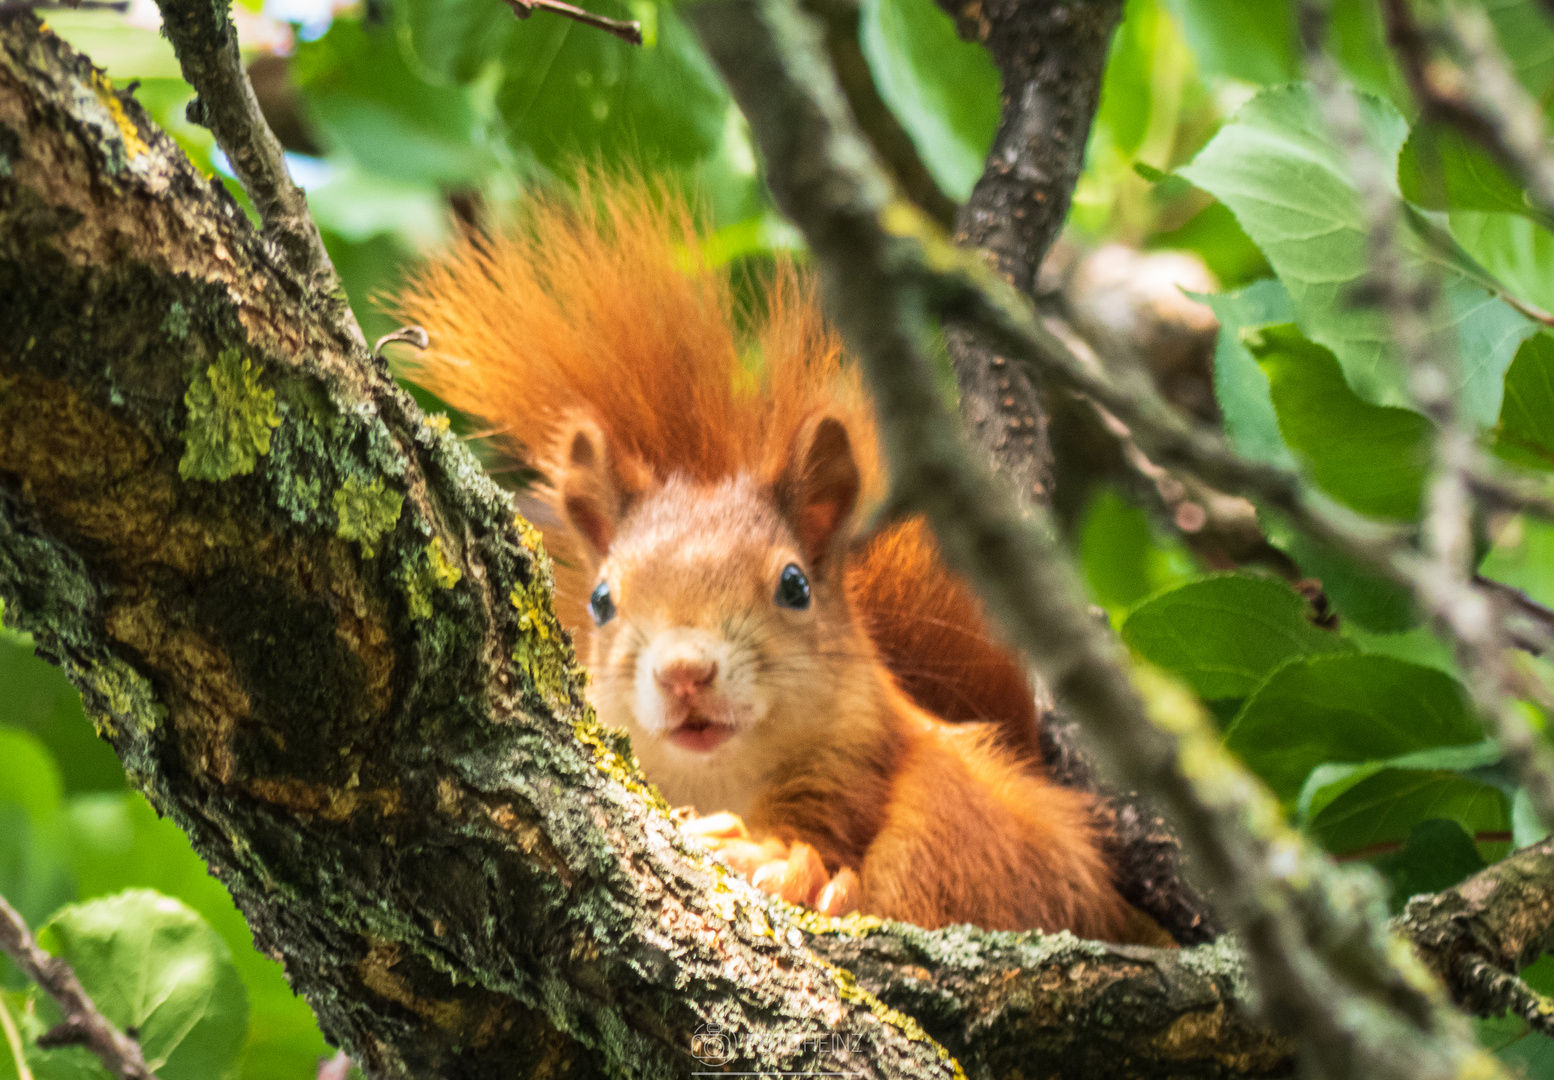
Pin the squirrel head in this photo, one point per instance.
(723, 638)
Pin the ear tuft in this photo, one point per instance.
(596, 484)
(819, 485)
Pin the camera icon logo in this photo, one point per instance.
(712, 1046)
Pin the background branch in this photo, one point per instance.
(84, 1023)
(1051, 58)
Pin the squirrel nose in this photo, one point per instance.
(683, 678)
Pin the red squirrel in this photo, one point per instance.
(812, 695)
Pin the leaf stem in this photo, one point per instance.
(14, 1038)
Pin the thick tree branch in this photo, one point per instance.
(1478, 935)
(84, 1023)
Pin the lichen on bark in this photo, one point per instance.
(231, 417)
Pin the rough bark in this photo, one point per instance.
(321, 643)
(1052, 57)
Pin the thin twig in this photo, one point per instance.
(1510, 492)
(117, 1051)
(1540, 616)
(205, 41)
(629, 32)
(1486, 983)
(9, 7)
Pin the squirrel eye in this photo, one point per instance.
(601, 605)
(793, 588)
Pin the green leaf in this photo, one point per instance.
(125, 52)
(1346, 708)
(154, 965)
(1516, 250)
(33, 876)
(1327, 782)
(1373, 457)
(1276, 166)
(38, 698)
(1526, 432)
(1442, 169)
(1527, 36)
(1252, 40)
(117, 842)
(1388, 805)
(1223, 635)
(1240, 385)
(30, 777)
(1128, 90)
(1225, 248)
(453, 40)
(1437, 856)
(1379, 605)
(371, 105)
(1358, 41)
(1122, 558)
(942, 89)
(570, 93)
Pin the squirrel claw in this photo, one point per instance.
(714, 827)
(804, 876)
(840, 896)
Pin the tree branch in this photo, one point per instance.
(889, 139)
(1478, 935)
(205, 42)
(83, 1023)
(1052, 58)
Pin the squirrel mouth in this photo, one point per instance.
(700, 734)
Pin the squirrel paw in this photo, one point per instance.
(725, 834)
(794, 872)
(802, 879)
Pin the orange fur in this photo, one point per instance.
(692, 452)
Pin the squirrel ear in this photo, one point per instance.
(593, 488)
(819, 484)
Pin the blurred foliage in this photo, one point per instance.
(440, 114)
